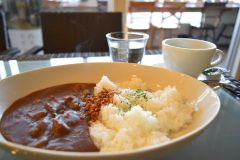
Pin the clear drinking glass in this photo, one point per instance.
(127, 47)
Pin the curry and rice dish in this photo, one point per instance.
(105, 116)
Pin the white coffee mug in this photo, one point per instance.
(190, 56)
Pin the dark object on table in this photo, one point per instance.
(235, 91)
(211, 17)
(78, 31)
(5, 48)
(219, 77)
(214, 73)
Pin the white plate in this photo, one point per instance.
(17, 86)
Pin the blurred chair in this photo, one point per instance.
(172, 10)
(67, 32)
(225, 32)
(5, 45)
(211, 17)
(170, 19)
(143, 25)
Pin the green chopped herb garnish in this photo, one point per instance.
(141, 94)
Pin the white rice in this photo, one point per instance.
(138, 118)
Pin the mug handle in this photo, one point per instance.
(219, 59)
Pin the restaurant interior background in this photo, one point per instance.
(160, 22)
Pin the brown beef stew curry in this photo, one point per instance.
(53, 118)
